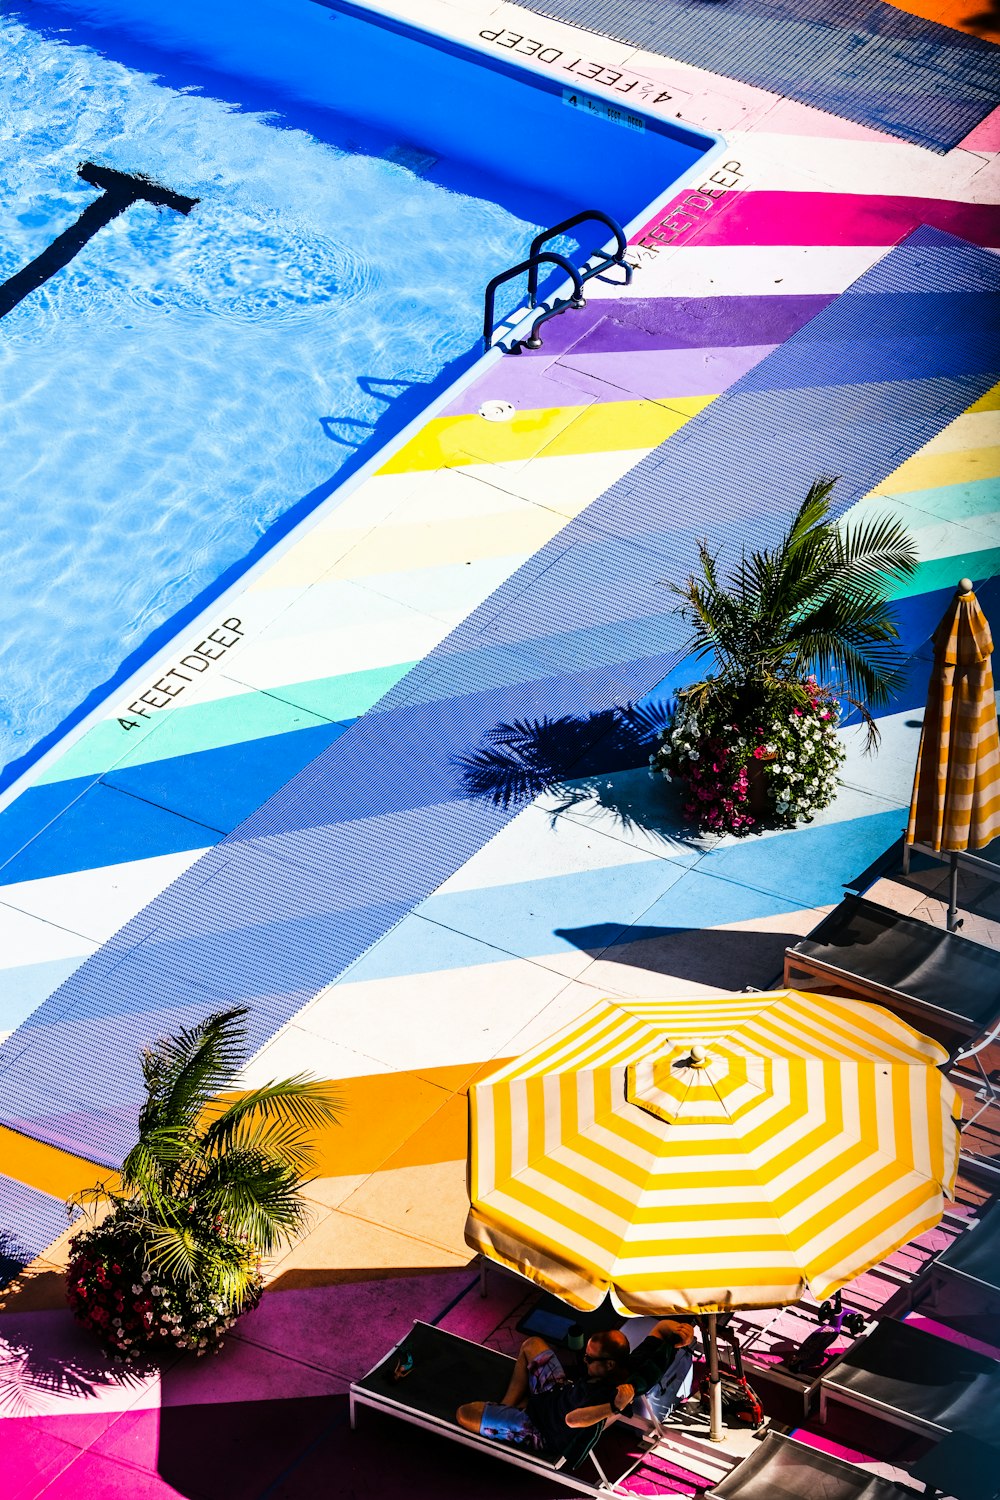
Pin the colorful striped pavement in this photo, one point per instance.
(589, 892)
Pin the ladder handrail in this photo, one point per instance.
(530, 265)
(571, 223)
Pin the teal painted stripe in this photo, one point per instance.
(944, 572)
(954, 502)
(221, 722)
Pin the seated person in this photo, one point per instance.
(542, 1405)
(662, 1364)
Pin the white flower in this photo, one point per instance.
(694, 755)
(146, 1276)
(136, 1290)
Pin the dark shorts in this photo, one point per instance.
(509, 1424)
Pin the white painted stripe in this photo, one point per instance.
(754, 271)
(781, 163)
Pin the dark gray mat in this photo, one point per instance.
(860, 59)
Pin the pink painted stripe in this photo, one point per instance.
(827, 1445)
(953, 1335)
(773, 218)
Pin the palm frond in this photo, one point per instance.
(183, 1072)
(257, 1198)
(309, 1103)
(174, 1252)
(817, 602)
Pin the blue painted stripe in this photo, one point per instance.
(299, 890)
(64, 826)
(104, 826)
(26, 985)
(221, 787)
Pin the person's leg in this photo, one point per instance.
(470, 1415)
(673, 1385)
(504, 1424)
(517, 1389)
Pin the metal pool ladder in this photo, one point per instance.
(595, 265)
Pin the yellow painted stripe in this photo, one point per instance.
(929, 471)
(403, 548)
(448, 442)
(989, 402)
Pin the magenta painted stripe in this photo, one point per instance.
(828, 1445)
(767, 218)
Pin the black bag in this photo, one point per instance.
(740, 1403)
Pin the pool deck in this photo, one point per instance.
(591, 890)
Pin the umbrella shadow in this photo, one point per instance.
(723, 960)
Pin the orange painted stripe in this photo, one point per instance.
(47, 1168)
(973, 16)
(388, 1120)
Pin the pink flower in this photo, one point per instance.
(797, 712)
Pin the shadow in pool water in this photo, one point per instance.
(403, 400)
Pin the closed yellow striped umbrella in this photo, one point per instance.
(711, 1154)
(956, 789)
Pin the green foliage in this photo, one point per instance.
(817, 604)
(213, 1182)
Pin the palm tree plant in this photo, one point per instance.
(211, 1187)
(791, 631)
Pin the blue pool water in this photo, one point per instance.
(188, 386)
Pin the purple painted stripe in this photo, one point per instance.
(679, 323)
(580, 379)
(722, 335)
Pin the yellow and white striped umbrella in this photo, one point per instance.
(710, 1154)
(956, 788)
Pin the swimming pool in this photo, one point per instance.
(192, 383)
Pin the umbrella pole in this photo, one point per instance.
(953, 922)
(715, 1428)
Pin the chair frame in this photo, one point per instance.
(505, 1452)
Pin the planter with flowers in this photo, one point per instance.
(793, 633)
(211, 1187)
(770, 774)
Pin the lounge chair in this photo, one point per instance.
(961, 1286)
(916, 1381)
(448, 1370)
(960, 1466)
(784, 1469)
(942, 983)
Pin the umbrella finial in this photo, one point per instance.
(965, 585)
(699, 1057)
